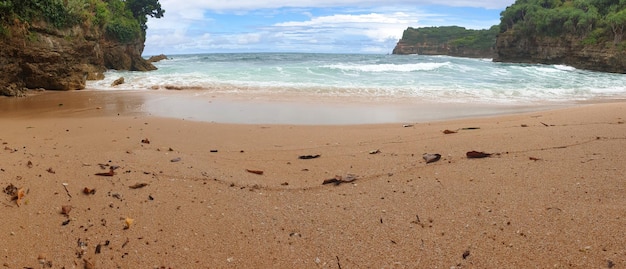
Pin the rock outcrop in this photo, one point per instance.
(568, 50)
(157, 58)
(40, 56)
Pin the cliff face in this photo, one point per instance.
(40, 56)
(448, 40)
(568, 50)
(435, 48)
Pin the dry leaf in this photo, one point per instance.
(88, 191)
(107, 174)
(449, 132)
(307, 157)
(128, 222)
(258, 172)
(534, 159)
(477, 154)
(138, 185)
(19, 195)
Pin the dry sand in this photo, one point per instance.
(551, 195)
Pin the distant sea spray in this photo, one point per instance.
(427, 78)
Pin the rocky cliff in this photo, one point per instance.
(568, 50)
(448, 40)
(435, 48)
(40, 56)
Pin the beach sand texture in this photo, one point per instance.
(550, 196)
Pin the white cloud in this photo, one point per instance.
(352, 25)
(270, 4)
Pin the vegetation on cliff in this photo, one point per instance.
(448, 40)
(591, 21)
(59, 44)
(587, 34)
(452, 35)
(124, 20)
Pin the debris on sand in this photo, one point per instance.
(307, 157)
(138, 185)
(258, 172)
(375, 151)
(338, 180)
(16, 193)
(477, 154)
(128, 222)
(431, 157)
(446, 131)
(65, 210)
(145, 141)
(177, 159)
(88, 191)
(108, 174)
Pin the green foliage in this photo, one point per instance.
(102, 14)
(452, 35)
(141, 9)
(579, 18)
(4, 32)
(124, 20)
(124, 29)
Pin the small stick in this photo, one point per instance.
(338, 264)
(67, 191)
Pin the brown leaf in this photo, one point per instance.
(307, 157)
(138, 185)
(88, 191)
(477, 154)
(107, 174)
(534, 159)
(258, 172)
(19, 195)
(446, 131)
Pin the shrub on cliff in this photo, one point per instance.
(593, 21)
(123, 20)
(452, 35)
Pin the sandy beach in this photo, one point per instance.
(101, 185)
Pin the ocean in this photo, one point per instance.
(434, 79)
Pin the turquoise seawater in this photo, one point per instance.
(428, 78)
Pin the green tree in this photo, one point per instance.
(617, 21)
(141, 9)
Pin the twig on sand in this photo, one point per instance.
(66, 191)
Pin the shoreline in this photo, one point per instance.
(188, 194)
(241, 109)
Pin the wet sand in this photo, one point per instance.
(242, 109)
(550, 195)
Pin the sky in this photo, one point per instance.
(309, 26)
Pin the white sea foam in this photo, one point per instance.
(389, 67)
(439, 79)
